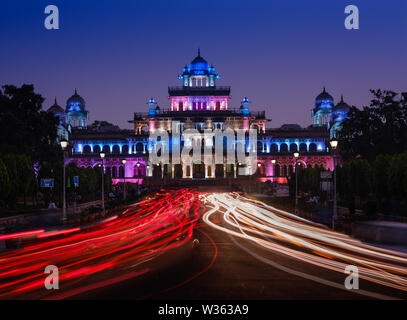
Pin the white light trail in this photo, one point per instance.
(285, 233)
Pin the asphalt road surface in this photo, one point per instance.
(190, 245)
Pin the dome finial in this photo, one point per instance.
(324, 89)
(199, 51)
(76, 91)
(341, 97)
(55, 101)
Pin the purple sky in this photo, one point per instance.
(278, 53)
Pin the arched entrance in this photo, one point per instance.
(219, 171)
(157, 171)
(178, 171)
(230, 170)
(199, 171)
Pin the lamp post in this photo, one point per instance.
(258, 175)
(296, 155)
(124, 178)
(334, 145)
(138, 176)
(103, 155)
(273, 161)
(64, 145)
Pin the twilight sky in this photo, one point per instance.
(119, 53)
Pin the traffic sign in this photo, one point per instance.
(47, 183)
(76, 181)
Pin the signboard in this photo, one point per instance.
(76, 181)
(282, 191)
(326, 174)
(47, 183)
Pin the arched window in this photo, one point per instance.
(139, 147)
(218, 105)
(114, 172)
(259, 146)
(116, 149)
(96, 149)
(180, 106)
(125, 149)
(283, 147)
(293, 147)
(284, 171)
(312, 147)
(303, 147)
(277, 170)
(121, 172)
(86, 149)
(274, 147)
(106, 149)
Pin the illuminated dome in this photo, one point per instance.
(76, 113)
(340, 111)
(199, 66)
(199, 69)
(56, 109)
(322, 110)
(324, 101)
(75, 103)
(324, 96)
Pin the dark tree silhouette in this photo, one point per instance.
(380, 128)
(24, 127)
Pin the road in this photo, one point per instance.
(185, 244)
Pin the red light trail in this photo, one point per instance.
(86, 258)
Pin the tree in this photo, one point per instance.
(4, 182)
(378, 129)
(24, 127)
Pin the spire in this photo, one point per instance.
(76, 91)
(55, 101)
(324, 89)
(341, 97)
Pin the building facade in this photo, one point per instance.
(202, 105)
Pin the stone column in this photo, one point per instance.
(173, 171)
(149, 169)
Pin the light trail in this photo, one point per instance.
(281, 232)
(86, 258)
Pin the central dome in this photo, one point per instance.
(199, 65)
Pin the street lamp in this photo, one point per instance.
(64, 145)
(103, 155)
(124, 178)
(334, 145)
(296, 155)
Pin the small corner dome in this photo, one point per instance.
(324, 95)
(75, 103)
(341, 106)
(56, 109)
